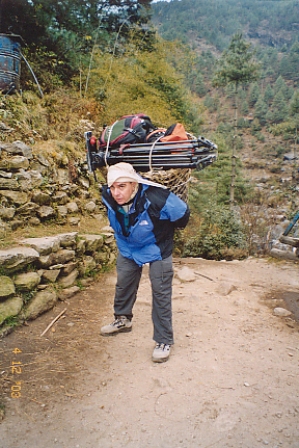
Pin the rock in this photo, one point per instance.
(107, 229)
(108, 237)
(93, 242)
(7, 287)
(84, 183)
(14, 163)
(289, 156)
(17, 197)
(63, 176)
(88, 265)
(7, 213)
(34, 221)
(74, 221)
(9, 184)
(41, 198)
(44, 246)
(61, 198)
(81, 245)
(283, 254)
(5, 174)
(16, 258)
(50, 275)
(17, 147)
(225, 288)
(27, 209)
(90, 207)
(36, 178)
(186, 274)
(11, 307)
(99, 217)
(68, 239)
(61, 257)
(112, 258)
(69, 280)
(281, 312)
(66, 270)
(4, 127)
(62, 211)
(41, 302)
(101, 257)
(42, 160)
(68, 292)
(27, 281)
(45, 212)
(72, 207)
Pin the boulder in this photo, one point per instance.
(68, 292)
(15, 259)
(50, 275)
(7, 287)
(17, 197)
(9, 184)
(17, 147)
(27, 281)
(61, 257)
(11, 307)
(14, 163)
(69, 280)
(45, 212)
(45, 245)
(41, 198)
(93, 242)
(41, 302)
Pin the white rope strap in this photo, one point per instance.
(151, 153)
(109, 130)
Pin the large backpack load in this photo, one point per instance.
(128, 129)
(135, 140)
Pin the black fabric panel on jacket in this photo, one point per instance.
(163, 229)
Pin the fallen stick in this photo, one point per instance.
(53, 322)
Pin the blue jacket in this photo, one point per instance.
(145, 234)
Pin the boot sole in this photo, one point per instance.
(122, 330)
(160, 360)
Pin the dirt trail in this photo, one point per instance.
(232, 379)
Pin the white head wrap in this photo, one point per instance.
(124, 172)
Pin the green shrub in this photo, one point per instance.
(220, 236)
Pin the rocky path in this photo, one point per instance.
(232, 379)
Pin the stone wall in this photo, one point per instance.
(41, 271)
(35, 188)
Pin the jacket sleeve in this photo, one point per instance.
(176, 210)
(183, 221)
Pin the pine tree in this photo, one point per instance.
(280, 110)
(236, 67)
(260, 111)
(294, 104)
(254, 94)
(269, 94)
(244, 107)
(279, 84)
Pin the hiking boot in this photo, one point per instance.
(121, 325)
(161, 352)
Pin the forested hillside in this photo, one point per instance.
(271, 23)
(255, 120)
(226, 70)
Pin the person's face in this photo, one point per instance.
(122, 191)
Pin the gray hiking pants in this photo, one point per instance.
(128, 278)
